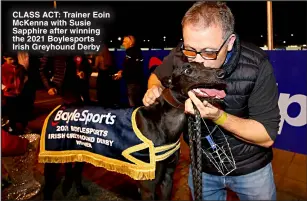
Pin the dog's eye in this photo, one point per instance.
(188, 71)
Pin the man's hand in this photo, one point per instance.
(52, 91)
(151, 95)
(118, 75)
(81, 74)
(247, 130)
(206, 110)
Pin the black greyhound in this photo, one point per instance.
(165, 120)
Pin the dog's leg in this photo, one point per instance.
(50, 174)
(148, 187)
(69, 178)
(166, 184)
(81, 190)
(148, 190)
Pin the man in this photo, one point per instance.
(59, 76)
(28, 95)
(83, 71)
(132, 71)
(108, 90)
(14, 76)
(251, 116)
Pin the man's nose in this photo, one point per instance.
(198, 59)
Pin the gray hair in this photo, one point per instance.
(207, 13)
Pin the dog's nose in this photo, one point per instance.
(220, 74)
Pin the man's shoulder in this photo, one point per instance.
(175, 53)
(6, 67)
(255, 58)
(170, 60)
(252, 53)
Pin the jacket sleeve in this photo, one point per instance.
(263, 101)
(42, 70)
(168, 63)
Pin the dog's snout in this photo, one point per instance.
(220, 74)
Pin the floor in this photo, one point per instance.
(290, 175)
(289, 172)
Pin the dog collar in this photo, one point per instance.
(168, 97)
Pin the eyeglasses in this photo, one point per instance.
(205, 54)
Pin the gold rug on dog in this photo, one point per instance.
(104, 137)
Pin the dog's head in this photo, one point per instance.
(206, 83)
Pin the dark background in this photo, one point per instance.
(153, 20)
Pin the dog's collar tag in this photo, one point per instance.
(168, 97)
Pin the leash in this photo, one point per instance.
(170, 99)
(194, 132)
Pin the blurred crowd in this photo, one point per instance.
(69, 76)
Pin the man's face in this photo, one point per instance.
(9, 60)
(127, 42)
(78, 60)
(207, 39)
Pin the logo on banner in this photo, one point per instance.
(54, 123)
(284, 102)
(85, 117)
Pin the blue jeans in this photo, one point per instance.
(258, 185)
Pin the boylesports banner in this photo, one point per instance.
(104, 137)
(291, 75)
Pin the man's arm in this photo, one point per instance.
(163, 70)
(154, 81)
(155, 86)
(42, 68)
(248, 130)
(264, 116)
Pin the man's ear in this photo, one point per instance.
(231, 42)
(167, 82)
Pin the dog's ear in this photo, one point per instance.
(167, 82)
